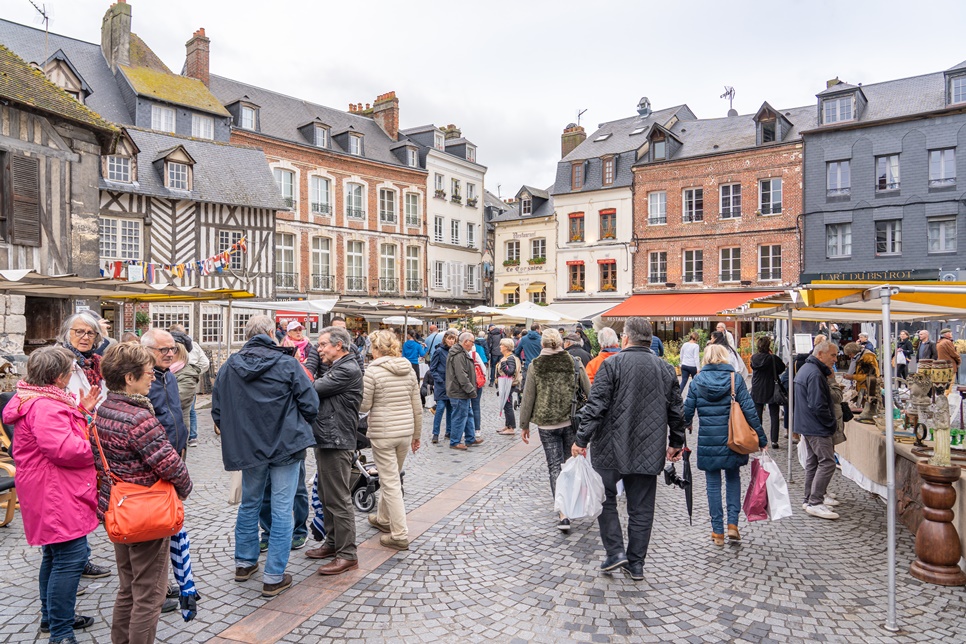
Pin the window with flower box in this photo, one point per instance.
(608, 274)
(608, 224)
(575, 271)
(576, 226)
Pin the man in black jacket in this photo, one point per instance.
(340, 393)
(493, 337)
(461, 390)
(264, 403)
(634, 411)
(573, 347)
(815, 422)
(927, 348)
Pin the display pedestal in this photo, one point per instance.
(938, 549)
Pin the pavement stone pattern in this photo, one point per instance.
(497, 569)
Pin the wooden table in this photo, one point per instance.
(865, 450)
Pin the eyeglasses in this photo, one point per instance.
(148, 373)
(164, 350)
(82, 333)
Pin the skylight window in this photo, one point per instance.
(638, 131)
(602, 137)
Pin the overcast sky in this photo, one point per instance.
(512, 74)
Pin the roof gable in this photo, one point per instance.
(171, 88)
(59, 55)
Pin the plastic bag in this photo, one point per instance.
(756, 498)
(580, 490)
(779, 505)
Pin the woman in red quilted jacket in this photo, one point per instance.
(137, 451)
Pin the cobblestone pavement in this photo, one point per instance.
(497, 569)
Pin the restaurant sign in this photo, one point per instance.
(872, 276)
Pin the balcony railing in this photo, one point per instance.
(456, 199)
(322, 282)
(773, 274)
(838, 192)
(289, 202)
(386, 217)
(440, 194)
(356, 284)
(388, 285)
(946, 181)
(412, 221)
(471, 202)
(882, 185)
(321, 208)
(414, 285)
(730, 276)
(355, 213)
(287, 280)
(693, 278)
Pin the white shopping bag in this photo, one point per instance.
(235, 488)
(779, 505)
(580, 490)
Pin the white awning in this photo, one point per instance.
(319, 307)
(584, 310)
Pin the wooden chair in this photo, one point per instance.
(8, 491)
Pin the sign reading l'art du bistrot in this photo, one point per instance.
(872, 276)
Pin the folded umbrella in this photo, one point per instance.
(504, 385)
(686, 477)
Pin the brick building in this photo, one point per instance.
(355, 221)
(716, 203)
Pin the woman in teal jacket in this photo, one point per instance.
(710, 396)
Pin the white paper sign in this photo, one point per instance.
(135, 273)
(803, 343)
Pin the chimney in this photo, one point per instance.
(196, 57)
(116, 35)
(385, 112)
(451, 132)
(573, 135)
(832, 83)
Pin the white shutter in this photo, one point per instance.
(459, 272)
(446, 275)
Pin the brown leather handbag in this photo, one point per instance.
(137, 513)
(742, 437)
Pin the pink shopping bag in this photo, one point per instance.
(756, 498)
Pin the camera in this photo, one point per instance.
(671, 476)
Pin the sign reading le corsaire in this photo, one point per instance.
(873, 276)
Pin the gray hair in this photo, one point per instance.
(638, 331)
(90, 320)
(337, 335)
(260, 325)
(824, 347)
(150, 337)
(607, 337)
(466, 335)
(452, 332)
(551, 339)
(47, 364)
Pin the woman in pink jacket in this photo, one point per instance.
(56, 482)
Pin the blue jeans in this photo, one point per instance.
(300, 509)
(284, 480)
(732, 494)
(462, 422)
(438, 418)
(193, 421)
(60, 573)
(686, 374)
(475, 404)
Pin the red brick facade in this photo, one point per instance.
(306, 161)
(748, 232)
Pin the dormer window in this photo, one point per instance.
(471, 153)
(413, 159)
(658, 148)
(178, 175)
(836, 110)
(355, 145)
(439, 141)
(768, 130)
(321, 136)
(577, 176)
(607, 171)
(957, 89)
(526, 205)
(202, 127)
(118, 168)
(248, 117)
(162, 118)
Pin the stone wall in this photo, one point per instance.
(13, 324)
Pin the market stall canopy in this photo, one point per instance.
(33, 284)
(692, 307)
(858, 302)
(319, 307)
(402, 320)
(583, 310)
(531, 311)
(485, 310)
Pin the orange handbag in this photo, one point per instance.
(742, 437)
(137, 513)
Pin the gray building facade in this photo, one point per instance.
(885, 181)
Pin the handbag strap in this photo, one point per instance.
(92, 427)
(732, 386)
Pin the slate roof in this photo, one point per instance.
(544, 206)
(838, 87)
(902, 97)
(536, 192)
(171, 88)
(621, 144)
(28, 43)
(512, 213)
(459, 141)
(223, 173)
(23, 84)
(958, 67)
(280, 116)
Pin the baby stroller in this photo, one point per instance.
(364, 477)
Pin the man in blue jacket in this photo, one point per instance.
(815, 422)
(164, 390)
(529, 346)
(264, 404)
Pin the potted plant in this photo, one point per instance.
(609, 287)
(440, 194)
(141, 320)
(537, 260)
(511, 262)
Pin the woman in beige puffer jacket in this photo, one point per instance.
(391, 396)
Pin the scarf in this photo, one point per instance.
(136, 399)
(301, 351)
(90, 362)
(27, 392)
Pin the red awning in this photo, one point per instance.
(606, 261)
(682, 306)
(575, 262)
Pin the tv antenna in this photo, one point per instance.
(44, 17)
(580, 113)
(729, 94)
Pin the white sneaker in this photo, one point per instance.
(831, 495)
(830, 501)
(821, 511)
(805, 506)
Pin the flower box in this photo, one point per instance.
(511, 262)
